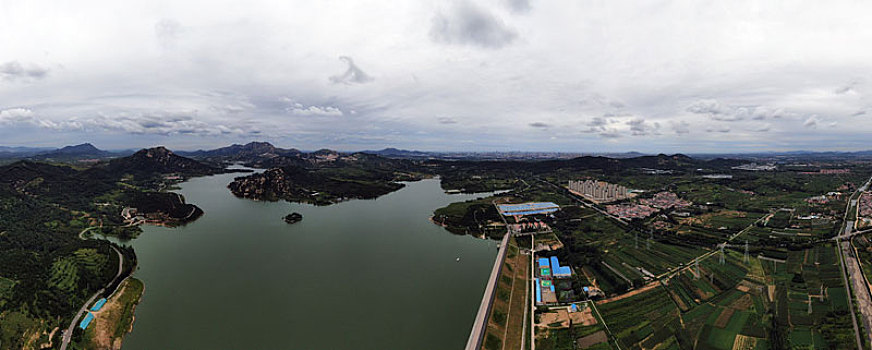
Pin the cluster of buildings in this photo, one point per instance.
(631, 211)
(529, 227)
(824, 199)
(826, 172)
(599, 191)
(756, 167)
(865, 203)
(864, 214)
(665, 200)
(547, 271)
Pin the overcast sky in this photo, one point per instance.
(538, 75)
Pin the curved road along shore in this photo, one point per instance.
(68, 333)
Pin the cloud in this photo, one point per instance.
(610, 133)
(352, 75)
(680, 127)
(715, 110)
(140, 123)
(639, 127)
(848, 88)
(14, 70)
(518, 6)
(540, 125)
(811, 122)
(858, 113)
(467, 24)
(596, 125)
(15, 115)
(601, 126)
(727, 113)
(26, 117)
(446, 120)
(706, 106)
(327, 111)
(720, 129)
(597, 122)
(764, 128)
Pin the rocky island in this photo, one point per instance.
(293, 218)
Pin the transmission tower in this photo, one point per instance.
(696, 266)
(648, 243)
(637, 240)
(722, 258)
(747, 258)
(809, 304)
(822, 292)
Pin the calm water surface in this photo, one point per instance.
(366, 274)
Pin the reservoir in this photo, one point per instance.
(362, 274)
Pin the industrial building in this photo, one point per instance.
(527, 208)
(599, 191)
(559, 271)
(549, 268)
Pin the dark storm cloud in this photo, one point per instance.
(352, 75)
(467, 24)
(14, 70)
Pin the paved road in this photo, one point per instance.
(476, 336)
(859, 286)
(851, 271)
(68, 333)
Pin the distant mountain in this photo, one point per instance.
(249, 152)
(21, 152)
(77, 152)
(400, 153)
(159, 160)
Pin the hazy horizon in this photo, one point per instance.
(134, 148)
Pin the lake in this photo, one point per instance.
(362, 274)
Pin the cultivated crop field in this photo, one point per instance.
(810, 299)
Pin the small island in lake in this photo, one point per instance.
(293, 218)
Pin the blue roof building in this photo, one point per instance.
(543, 262)
(86, 321)
(559, 271)
(527, 208)
(98, 305)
